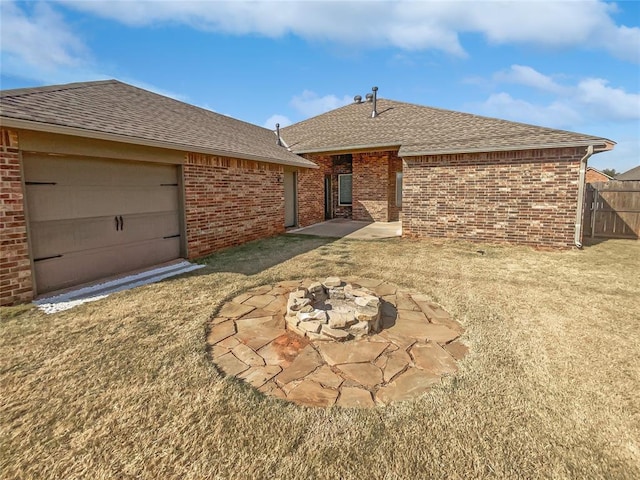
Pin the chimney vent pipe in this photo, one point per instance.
(374, 112)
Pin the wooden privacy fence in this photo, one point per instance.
(612, 210)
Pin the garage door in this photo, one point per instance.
(90, 218)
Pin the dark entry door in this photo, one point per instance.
(328, 213)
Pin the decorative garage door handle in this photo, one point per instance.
(119, 222)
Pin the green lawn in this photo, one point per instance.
(123, 387)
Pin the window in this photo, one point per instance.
(398, 189)
(344, 189)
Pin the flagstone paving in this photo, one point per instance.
(418, 345)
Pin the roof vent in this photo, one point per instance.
(369, 97)
(279, 142)
(357, 99)
(374, 112)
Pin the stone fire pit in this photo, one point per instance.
(394, 344)
(333, 310)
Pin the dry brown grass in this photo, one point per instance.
(123, 388)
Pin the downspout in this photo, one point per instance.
(577, 237)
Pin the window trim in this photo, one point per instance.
(340, 189)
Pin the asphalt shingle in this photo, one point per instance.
(420, 130)
(633, 174)
(113, 107)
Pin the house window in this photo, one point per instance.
(344, 189)
(398, 189)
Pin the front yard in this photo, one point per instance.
(123, 387)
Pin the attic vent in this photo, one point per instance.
(371, 98)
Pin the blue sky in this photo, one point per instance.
(573, 65)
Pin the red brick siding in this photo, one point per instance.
(371, 186)
(395, 166)
(524, 197)
(230, 201)
(595, 176)
(311, 190)
(15, 267)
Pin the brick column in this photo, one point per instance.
(16, 285)
(371, 186)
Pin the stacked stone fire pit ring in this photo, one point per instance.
(350, 342)
(333, 310)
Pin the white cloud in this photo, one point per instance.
(556, 114)
(524, 75)
(589, 99)
(613, 103)
(310, 104)
(273, 119)
(41, 40)
(407, 25)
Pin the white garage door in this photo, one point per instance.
(90, 218)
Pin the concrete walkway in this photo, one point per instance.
(345, 228)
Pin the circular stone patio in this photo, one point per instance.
(418, 344)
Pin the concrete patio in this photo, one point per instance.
(358, 230)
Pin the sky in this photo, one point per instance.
(572, 65)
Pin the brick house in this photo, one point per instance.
(443, 173)
(102, 178)
(594, 175)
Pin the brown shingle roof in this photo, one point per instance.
(134, 115)
(420, 130)
(633, 174)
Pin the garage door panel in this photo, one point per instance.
(62, 202)
(81, 267)
(65, 236)
(96, 172)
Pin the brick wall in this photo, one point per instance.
(15, 267)
(593, 176)
(371, 185)
(311, 190)
(230, 201)
(525, 197)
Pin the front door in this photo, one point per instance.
(328, 211)
(289, 199)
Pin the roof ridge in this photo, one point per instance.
(444, 110)
(17, 92)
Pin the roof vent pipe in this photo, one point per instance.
(374, 113)
(279, 142)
